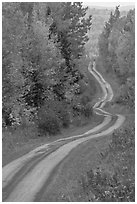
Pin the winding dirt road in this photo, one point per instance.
(24, 178)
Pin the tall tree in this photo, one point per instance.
(13, 80)
(104, 37)
(70, 29)
(118, 53)
(41, 43)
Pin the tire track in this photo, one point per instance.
(33, 182)
(10, 170)
(24, 178)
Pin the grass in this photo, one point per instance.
(90, 161)
(73, 181)
(19, 141)
(114, 179)
(65, 184)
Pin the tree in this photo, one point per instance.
(70, 29)
(13, 81)
(41, 45)
(104, 37)
(117, 53)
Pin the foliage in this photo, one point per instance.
(74, 28)
(52, 117)
(113, 180)
(104, 38)
(69, 29)
(117, 53)
(127, 95)
(87, 110)
(12, 79)
(117, 185)
(42, 46)
(108, 188)
(123, 139)
(64, 117)
(48, 122)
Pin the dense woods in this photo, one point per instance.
(117, 53)
(42, 48)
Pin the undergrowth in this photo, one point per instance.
(113, 180)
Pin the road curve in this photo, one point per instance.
(23, 178)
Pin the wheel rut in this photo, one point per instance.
(25, 178)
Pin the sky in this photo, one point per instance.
(108, 4)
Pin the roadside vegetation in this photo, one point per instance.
(47, 92)
(114, 179)
(46, 88)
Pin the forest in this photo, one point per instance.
(43, 82)
(117, 54)
(46, 88)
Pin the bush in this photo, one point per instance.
(6, 117)
(119, 184)
(48, 122)
(123, 139)
(87, 110)
(64, 117)
(58, 110)
(107, 188)
(127, 96)
(85, 99)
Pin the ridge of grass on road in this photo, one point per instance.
(16, 143)
(67, 183)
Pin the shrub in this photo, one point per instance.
(107, 188)
(127, 96)
(6, 117)
(47, 121)
(64, 117)
(87, 110)
(123, 139)
(117, 185)
(85, 99)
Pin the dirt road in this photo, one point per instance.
(24, 178)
